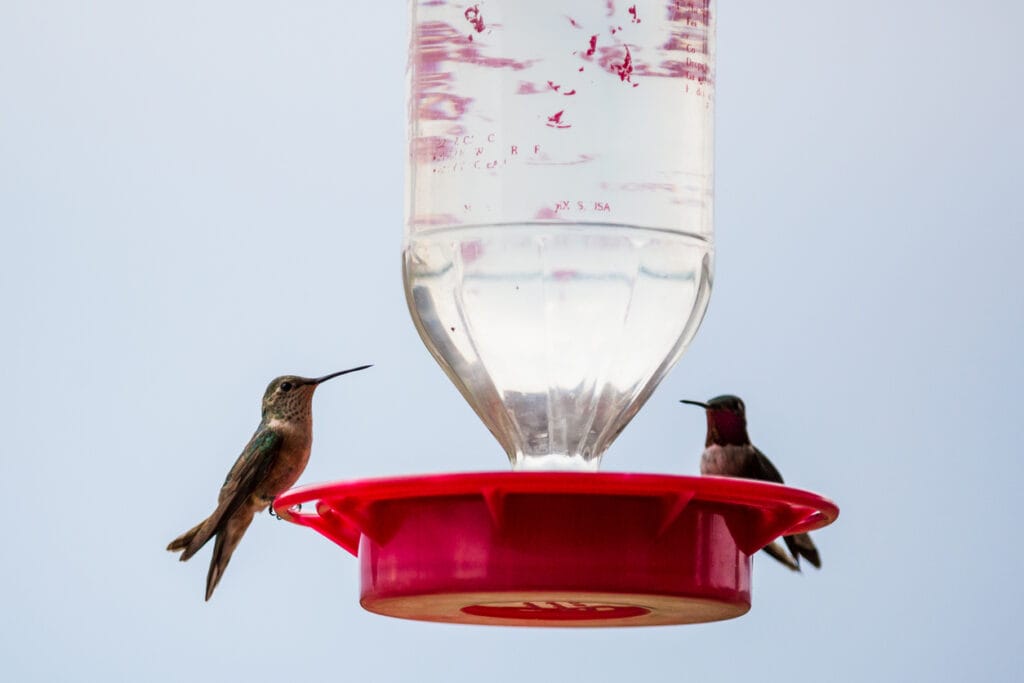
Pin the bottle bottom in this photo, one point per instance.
(556, 334)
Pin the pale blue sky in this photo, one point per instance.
(198, 196)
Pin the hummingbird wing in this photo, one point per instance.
(760, 467)
(799, 545)
(248, 472)
(776, 551)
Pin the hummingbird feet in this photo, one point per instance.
(273, 513)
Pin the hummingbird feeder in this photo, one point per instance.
(558, 260)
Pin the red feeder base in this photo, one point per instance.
(556, 548)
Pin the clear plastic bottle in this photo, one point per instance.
(558, 251)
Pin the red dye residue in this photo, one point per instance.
(625, 70)
(570, 92)
(610, 6)
(573, 22)
(690, 70)
(436, 43)
(554, 87)
(434, 106)
(474, 17)
(436, 219)
(431, 149)
(555, 120)
(593, 46)
(635, 18)
(471, 251)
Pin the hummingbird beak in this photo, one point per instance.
(695, 403)
(323, 379)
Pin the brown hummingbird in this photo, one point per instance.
(729, 453)
(270, 464)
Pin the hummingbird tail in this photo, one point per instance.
(218, 563)
(224, 547)
(192, 540)
(801, 545)
(776, 551)
(182, 542)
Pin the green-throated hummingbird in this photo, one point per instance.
(729, 453)
(270, 464)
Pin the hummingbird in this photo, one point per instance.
(270, 464)
(729, 453)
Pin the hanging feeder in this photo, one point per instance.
(558, 260)
(555, 548)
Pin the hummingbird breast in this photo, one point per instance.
(296, 442)
(728, 461)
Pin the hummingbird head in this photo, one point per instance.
(290, 397)
(727, 420)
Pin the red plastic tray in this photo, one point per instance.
(555, 548)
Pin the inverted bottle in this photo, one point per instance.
(558, 252)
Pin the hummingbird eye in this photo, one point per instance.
(286, 386)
